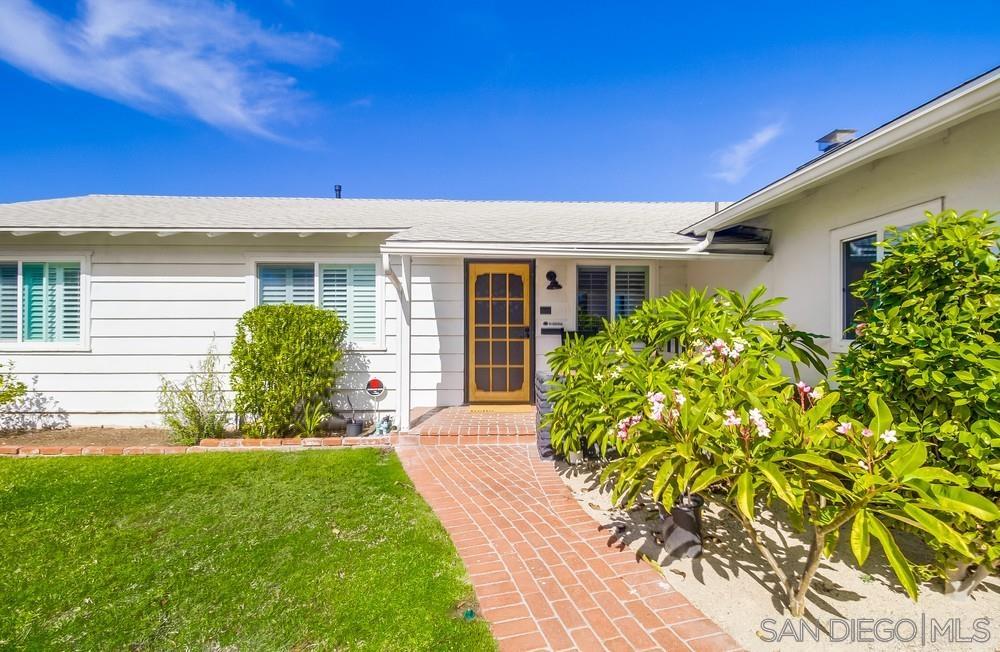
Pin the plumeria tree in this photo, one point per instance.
(721, 419)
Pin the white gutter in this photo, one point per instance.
(672, 252)
(170, 231)
(975, 96)
(704, 244)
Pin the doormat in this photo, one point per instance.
(500, 409)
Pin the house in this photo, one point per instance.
(450, 302)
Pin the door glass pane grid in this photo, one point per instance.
(499, 333)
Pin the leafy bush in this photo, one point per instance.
(929, 342)
(719, 418)
(594, 379)
(11, 388)
(285, 358)
(196, 408)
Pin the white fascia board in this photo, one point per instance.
(937, 115)
(666, 252)
(77, 230)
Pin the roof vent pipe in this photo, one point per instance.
(336, 190)
(835, 139)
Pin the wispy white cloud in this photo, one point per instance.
(735, 161)
(197, 57)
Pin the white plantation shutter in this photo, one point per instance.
(631, 289)
(350, 290)
(50, 299)
(286, 284)
(8, 302)
(363, 315)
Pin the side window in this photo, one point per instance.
(608, 292)
(854, 249)
(349, 289)
(40, 302)
(631, 289)
(857, 256)
(286, 284)
(593, 298)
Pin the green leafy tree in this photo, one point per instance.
(928, 341)
(286, 361)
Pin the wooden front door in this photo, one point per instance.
(498, 322)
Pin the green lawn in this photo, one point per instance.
(248, 551)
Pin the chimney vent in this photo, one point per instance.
(336, 190)
(835, 139)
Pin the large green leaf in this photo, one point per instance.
(937, 528)
(745, 494)
(934, 474)
(907, 458)
(881, 415)
(899, 563)
(780, 483)
(962, 500)
(861, 537)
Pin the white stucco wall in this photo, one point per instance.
(961, 166)
(157, 304)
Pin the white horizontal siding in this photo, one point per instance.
(437, 331)
(157, 304)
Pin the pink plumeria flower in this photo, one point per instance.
(844, 427)
(867, 432)
(678, 397)
(816, 394)
(731, 419)
(889, 437)
(859, 330)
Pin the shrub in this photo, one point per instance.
(929, 342)
(196, 408)
(11, 388)
(595, 380)
(721, 419)
(285, 357)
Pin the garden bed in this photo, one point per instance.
(251, 551)
(733, 586)
(120, 437)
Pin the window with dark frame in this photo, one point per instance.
(857, 257)
(601, 294)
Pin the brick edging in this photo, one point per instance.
(290, 444)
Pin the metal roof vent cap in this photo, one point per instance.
(835, 139)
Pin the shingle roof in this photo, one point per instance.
(410, 220)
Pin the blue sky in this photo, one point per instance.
(505, 100)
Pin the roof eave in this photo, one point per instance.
(954, 106)
(679, 251)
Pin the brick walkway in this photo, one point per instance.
(472, 420)
(545, 577)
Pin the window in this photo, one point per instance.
(598, 299)
(854, 250)
(348, 289)
(857, 256)
(41, 302)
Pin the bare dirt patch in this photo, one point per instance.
(123, 437)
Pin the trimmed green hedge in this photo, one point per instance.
(285, 358)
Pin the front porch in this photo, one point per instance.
(507, 423)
